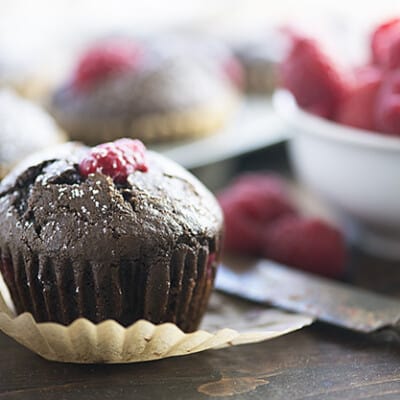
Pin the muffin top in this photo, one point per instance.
(124, 78)
(263, 49)
(24, 128)
(57, 208)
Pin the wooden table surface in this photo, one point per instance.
(318, 362)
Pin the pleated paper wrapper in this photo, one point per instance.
(110, 342)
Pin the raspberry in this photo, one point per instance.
(104, 60)
(308, 244)
(117, 159)
(250, 203)
(321, 110)
(242, 231)
(387, 112)
(311, 76)
(358, 107)
(385, 44)
(233, 70)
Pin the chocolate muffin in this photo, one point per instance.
(113, 232)
(24, 129)
(260, 57)
(139, 89)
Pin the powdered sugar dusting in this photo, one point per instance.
(24, 128)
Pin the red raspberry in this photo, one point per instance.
(358, 107)
(385, 44)
(234, 71)
(250, 203)
(321, 110)
(118, 159)
(387, 112)
(312, 77)
(308, 244)
(104, 60)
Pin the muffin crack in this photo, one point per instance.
(29, 217)
(185, 181)
(23, 185)
(68, 176)
(25, 179)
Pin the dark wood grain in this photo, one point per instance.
(320, 362)
(317, 363)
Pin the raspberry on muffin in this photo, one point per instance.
(117, 160)
(102, 61)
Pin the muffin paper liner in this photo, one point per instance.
(173, 290)
(109, 342)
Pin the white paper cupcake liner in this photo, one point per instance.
(110, 342)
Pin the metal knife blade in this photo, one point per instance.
(333, 302)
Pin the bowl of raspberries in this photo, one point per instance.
(345, 133)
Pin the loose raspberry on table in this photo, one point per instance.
(104, 60)
(116, 159)
(314, 80)
(306, 243)
(251, 202)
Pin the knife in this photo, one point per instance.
(340, 304)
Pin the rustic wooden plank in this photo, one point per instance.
(318, 363)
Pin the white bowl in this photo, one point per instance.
(355, 171)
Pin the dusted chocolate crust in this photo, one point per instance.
(166, 98)
(72, 247)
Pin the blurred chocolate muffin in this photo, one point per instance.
(144, 90)
(260, 57)
(113, 232)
